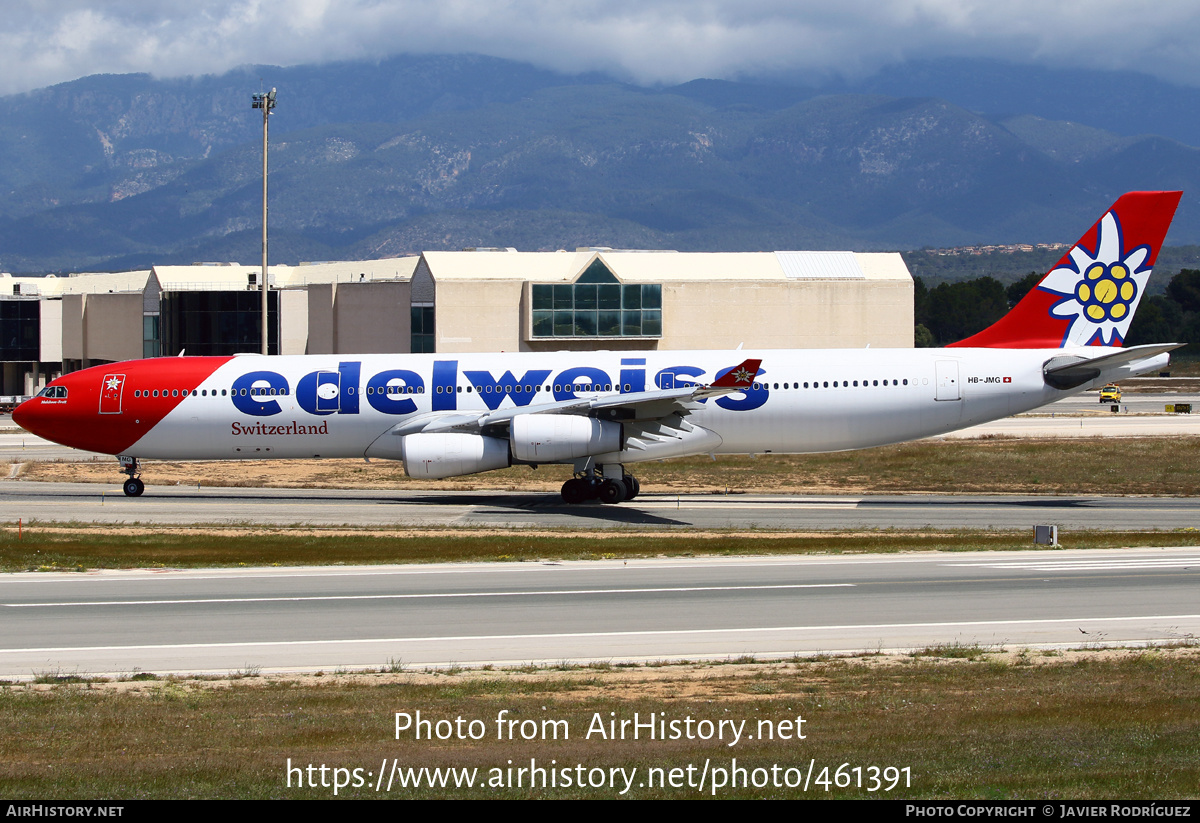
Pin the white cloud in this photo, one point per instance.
(45, 42)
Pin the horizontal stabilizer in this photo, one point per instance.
(1068, 372)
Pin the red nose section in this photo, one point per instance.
(24, 416)
(109, 408)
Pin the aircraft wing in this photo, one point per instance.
(644, 405)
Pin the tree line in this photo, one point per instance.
(952, 311)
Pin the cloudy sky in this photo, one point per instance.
(50, 41)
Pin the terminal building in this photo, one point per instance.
(485, 300)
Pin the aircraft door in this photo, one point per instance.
(112, 387)
(329, 391)
(678, 377)
(946, 373)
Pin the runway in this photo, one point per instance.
(508, 614)
(188, 505)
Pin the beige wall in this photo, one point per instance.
(72, 326)
(51, 331)
(807, 314)
(321, 328)
(373, 318)
(113, 330)
(359, 318)
(481, 315)
(293, 321)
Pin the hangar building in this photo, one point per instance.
(471, 300)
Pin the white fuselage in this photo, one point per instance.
(804, 400)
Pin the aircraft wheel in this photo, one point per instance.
(134, 487)
(632, 486)
(574, 491)
(612, 491)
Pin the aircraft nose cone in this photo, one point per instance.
(26, 416)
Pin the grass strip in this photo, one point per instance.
(54, 547)
(1033, 724)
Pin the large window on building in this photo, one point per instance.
(597, 305)
(217, 322)
(151, 342)
(422, 339)
(20, 329)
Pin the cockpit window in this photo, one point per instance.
(59, 392)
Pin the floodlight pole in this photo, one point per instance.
(266, 102)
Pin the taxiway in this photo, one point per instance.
(189, 505)
(470, 614)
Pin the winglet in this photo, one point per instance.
(739, 377)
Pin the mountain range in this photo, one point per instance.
(443, 152)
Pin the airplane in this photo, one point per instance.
(446, 415)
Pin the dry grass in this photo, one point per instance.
(1158, 466)
(1002, 725)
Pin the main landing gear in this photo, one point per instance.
(596, 484)
(133, 487)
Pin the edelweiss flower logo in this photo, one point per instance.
(741, 376)
(1100, 290)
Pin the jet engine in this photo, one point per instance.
(554, 438)
(432, 456)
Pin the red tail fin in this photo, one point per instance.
(1089, 297)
